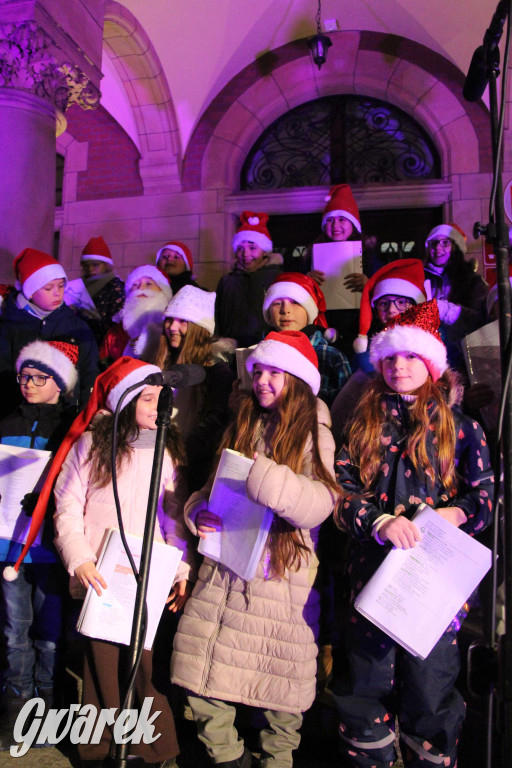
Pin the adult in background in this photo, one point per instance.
(240, 293)
(99, 294)
(175, 260)
(136, 332)
(37, 311)
(460, 292)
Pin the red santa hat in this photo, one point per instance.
(148, 270)
(106, 393)
(415, 330)
(340, 202)
(55, 358)
(97, 250)
(35, 269)
(195, 306)
(452, 231)
(291, 351)
(182, 249)
(404, 277)
(303, 290)
(253, 228)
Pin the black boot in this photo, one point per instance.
(245, 761)
(11, 704)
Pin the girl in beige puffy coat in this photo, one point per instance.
(255, 642)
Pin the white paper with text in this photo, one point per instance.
(109, 616)
(245, 523)
(416, 593)
(22, 470)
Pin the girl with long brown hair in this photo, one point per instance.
(200, 411)
(408, 443)
(254, 642)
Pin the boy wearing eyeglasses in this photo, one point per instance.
(46, 374)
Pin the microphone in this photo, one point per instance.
(478, 76)
(177, 376)
(478, 73)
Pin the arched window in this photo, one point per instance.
(340, 139)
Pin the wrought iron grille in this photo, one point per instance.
(352, 139)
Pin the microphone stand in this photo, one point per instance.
(163, 422)
(496, 232)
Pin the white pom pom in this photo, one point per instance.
(360, 344)
(10, 573)
(330, 335)
(327, 198)
(253, 221)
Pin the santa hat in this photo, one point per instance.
(452, 231)
(195, 306)
(404, 277)
(97, 250)
(55, 358)
(35, 269)
(340, 202)
(303, 290)
(182, 249)
(107, 391)
(291, 351)
(148, 270)
(415, 330)
(253, 227)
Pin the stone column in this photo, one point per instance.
(37, 85)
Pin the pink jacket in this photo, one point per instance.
(84, 512)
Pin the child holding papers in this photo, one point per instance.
(407, 443)
(86, 509)
(254, 641)
(34, 601)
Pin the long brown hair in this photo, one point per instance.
(429, 411)
(295, 421)
(196, 348)
(100, 453)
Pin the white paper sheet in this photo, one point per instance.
(110, 616)
(245, 523)
(416, 592)
(338, 260)
(22, 470)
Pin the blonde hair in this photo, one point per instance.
(431, 410)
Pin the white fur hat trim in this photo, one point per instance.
(148, 270)
(409, 338)
(398, 287)
(251, 236)
(137, 375)
(42, 277)
(39, 354)
(346, 215)
(290, 290)
(195, 306)
(283, 356)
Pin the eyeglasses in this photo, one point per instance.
(444, 243)
(38, 379)
(401, 303)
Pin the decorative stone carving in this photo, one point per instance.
(29, 61)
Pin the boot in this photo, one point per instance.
(11, 705)
(245, 761)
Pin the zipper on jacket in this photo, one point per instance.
(213, 638)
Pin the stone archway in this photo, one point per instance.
(422, 83)
(141, 73)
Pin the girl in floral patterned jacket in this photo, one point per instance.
(407, 443)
